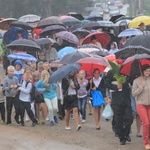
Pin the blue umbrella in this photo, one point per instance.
(66, 50)
(63, 72)
(130, 32)
(22, 56)
(11, 34)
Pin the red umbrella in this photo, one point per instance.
(90, 63)
(133, 63)
(101, 37)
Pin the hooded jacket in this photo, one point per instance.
(18, 73)
(112, 51)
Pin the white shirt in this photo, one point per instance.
(97, 81)
(70, 90)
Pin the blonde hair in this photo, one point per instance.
(46, 63)
(33, 64)
(27, 75)
(46, 74)
(10, 68)
(40, 64)
(81, 71)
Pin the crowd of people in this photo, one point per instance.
(27, 88)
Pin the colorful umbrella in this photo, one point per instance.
(101, 37)
(22, 56)
(130, 32)
(30, 18)
(132, 65)
(73, 57)
(136, 21)
(53, 28)
(63, 72)
(68, 36)
(136, 45)
(66, 50)
(90, 63)
(53, 20)
(24, 45)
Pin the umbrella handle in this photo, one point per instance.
(141, 72)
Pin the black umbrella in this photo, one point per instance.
(24, 45)
(63, 72)
(139, 44)
(83, 32)
(94, 18)
(53, 28)
(92, 24)
(73, 57)
(78, 16)
(100, 53)
(22, 25)
(43, 41)
(114, 18)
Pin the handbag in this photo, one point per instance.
(107, 112)
(97, 98)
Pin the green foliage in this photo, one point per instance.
(116, 70)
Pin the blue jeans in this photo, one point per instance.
(133, 104)
(82, 106)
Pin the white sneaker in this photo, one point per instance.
(83, 121)
(47, 118)
(67, 128)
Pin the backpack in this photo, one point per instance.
(32, 92)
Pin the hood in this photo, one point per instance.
(18, 62)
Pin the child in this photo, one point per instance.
(25, 99)
(50, 97)
(33, 67)
(39, 100)
(10, 86)
(2, 103)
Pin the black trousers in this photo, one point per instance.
(10, 101)
(122, 120)
(27, 106)
(61, 109)
(2, 111)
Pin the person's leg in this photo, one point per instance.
(22, 112)
(67, 117)
(55, 108)
(9, 105)
(33, 107)
(144, 116)
(43, 108)
(37, 111)
(27, 107)
(80, 105)
(90, 106)
(84, 102)
(2, 108)
(138, 125)
(96, 117)
(50, 108)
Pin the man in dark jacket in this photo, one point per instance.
(121, 105)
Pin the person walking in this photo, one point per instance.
(141, 92)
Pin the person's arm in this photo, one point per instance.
(38, 86)
(5, 85)
(137, 89)
(27, 89)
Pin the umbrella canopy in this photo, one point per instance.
(76, 15)
(91, 24)
(89, 46)
(106, 23)
(53, 20)
(22, 25)
(11, 34)
(100, 53)
(68, 36)
(24, 45)
(63, 72)
(136, 45)
(30, 18)
(22, 56)
(66, 50)
(123, 18)
(90, 63)
(132, 65)
(43, 41)
(88, 50)
(70, 21)
(94, 18)
(120, 22)
(5, 23)
(136, 21)
(73, 57)
(81, 31)
(130, 32)
(114, 18)
(52, 29)
(101, 37)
